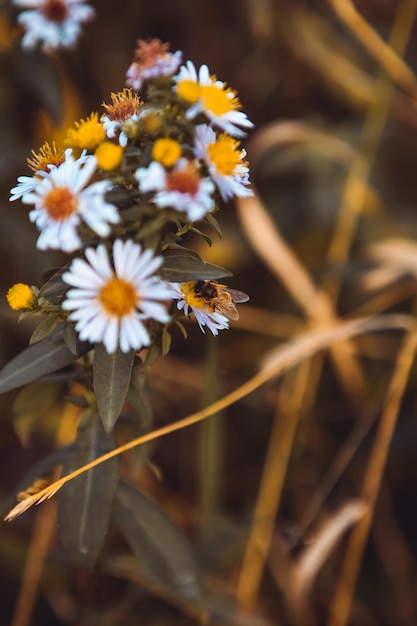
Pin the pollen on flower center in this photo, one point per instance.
(217, 100)
(184, 180)
(55, 11)
(60, 203)
(191, 297)
(189, 90)
(118, 297)
(225, 155)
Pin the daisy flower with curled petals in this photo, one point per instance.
(189, 301)
(52, 23)
(151, 60)
(47, 159)
(125, 107)
(110, 301)
(181, 188)
(226, 163)
(63, 200)
(205, 94)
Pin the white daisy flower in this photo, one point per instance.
(52, 23)
(27, 184)
(181, 188)
(152, 60)
(212, 97)
(189, 302)
(109, 301)
(225, 162)
(62, 201)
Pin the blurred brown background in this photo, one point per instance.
(332, 159)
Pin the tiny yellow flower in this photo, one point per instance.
(109, 156)
(166, 151)
(20, 296)
(151, 122)
(87, 134)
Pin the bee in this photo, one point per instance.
(220, 298)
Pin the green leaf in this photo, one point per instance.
(166, 342)
(43, 357)
(70, 338)
(111, 382)
(85, 503)
(180, 268)
(45, 328)
(161, 549)
(54, 288)
(214, 223)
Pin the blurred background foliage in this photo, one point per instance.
(296, 509)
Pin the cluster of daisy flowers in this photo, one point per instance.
(124, 190)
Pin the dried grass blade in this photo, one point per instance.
(286, 356)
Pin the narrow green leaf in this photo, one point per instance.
(43, 357)
(161, 549)
(85, 503)
(45, 328)
(54, 288)
(166, 342)
(180, 268)
(111, 382)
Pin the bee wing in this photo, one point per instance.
(228, 309)
(238, 296)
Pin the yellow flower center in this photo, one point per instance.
(191, 297)
(60, 203)
(20, 296)
(87, 133)
(216, 100)
(224, 154)
(185, 180)
(118, 297)
(166, 151)
(189, 90)
(109, 156)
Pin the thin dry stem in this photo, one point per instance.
(43, 531)
(306, 569)
(371, 482)
(389, 59)
(277, 361)
(316, 305)
(270, 490)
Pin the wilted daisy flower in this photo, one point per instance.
(47, 159)
(151, 60)
(181, 188)
(125, 107)
(62, 200)
(190, 302)
(110, 301)
(210, 96)
(225, 162)
(52, 23)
